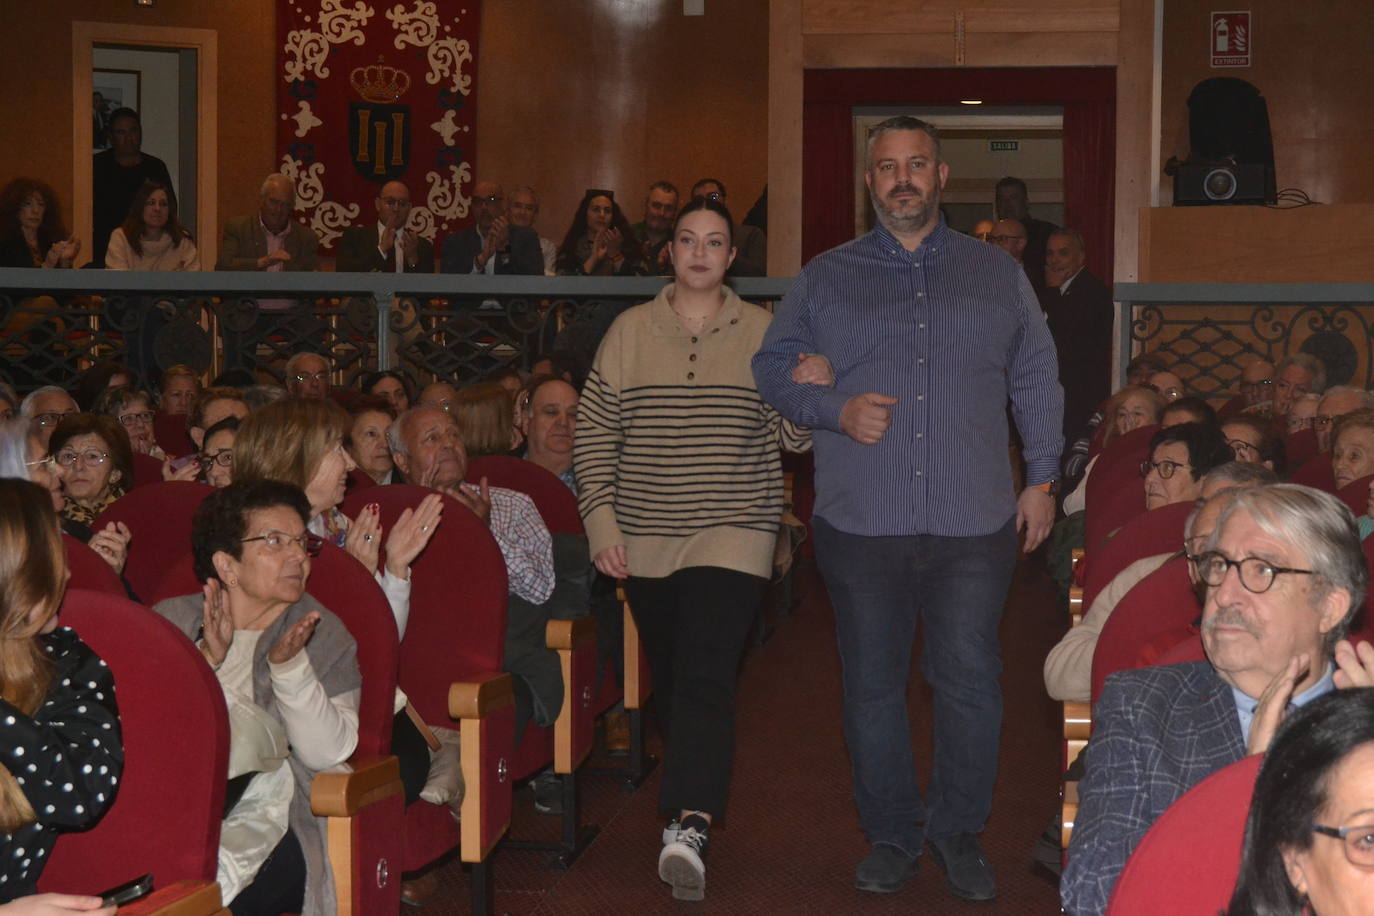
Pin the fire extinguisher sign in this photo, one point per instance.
(1232, 39)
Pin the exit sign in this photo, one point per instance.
(1004, 146)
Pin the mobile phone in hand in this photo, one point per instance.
(126, 893)
(179, 463)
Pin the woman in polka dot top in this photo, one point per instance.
(60, 748)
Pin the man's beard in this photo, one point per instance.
(916, 217)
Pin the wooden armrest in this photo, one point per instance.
(474, 698)
(569, 634)
(1069, 813)
(346, 790)
(1078, 721)
(1075, 605)
(183, 898)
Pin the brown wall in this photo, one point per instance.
(1313, 65)
(573, 96)
(36, 93)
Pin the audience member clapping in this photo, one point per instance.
(289, 670)
(1309, 840)
(389, 384)
(600, 241)
(134, 411)
(486, 418)
(151, 238)
(96, 461)
(31, 231)
(366, 438)
(59, 704)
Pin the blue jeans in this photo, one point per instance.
(955, 588)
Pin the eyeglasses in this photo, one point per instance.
(47, 461)
(277, 540)
(1321, 421)
(132, 419)
(1256, 575)
(444, 405)
(1358, 840)
(1165, 468)
(393, 202)
(52, 419)
(224, 457)
(90, 458)
(1242, 448)
(311, 377)
(1256, 386)
(714, 195)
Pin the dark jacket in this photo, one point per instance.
(358, 253)
(523, 255)
(245, 241)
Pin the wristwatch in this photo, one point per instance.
(1050, 486)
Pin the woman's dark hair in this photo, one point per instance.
(221, 521)
(14, 195)
(565, 364)
(107, 428)
(370, 380)
(368, 403)
(133, 225)
(1206, 445)
(96, 379)
(711, 206)
(1293, 786)
(1271, 447)
(567, 252)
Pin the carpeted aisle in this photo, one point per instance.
(792, 839)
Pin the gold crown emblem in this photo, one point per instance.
(379, 83)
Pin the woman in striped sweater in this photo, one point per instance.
(680, 485)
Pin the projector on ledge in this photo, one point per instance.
(1221, 183)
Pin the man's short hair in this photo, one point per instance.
(125, 113)
(1147, 361)
(901, 122)
(1356, 419)
(294, 362)
(395, 433)
(1315, 368)
(701, 181)
(1206, 445)
(277, 178)
(1010, 182)
(1324, 528)
(526, 189)
(669, 188)
(1366, 397)
(1073, 234)
(26, 409)
(1197, 408)
(1240, 474)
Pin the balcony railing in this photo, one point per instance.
(1209, 330)
(453, 327)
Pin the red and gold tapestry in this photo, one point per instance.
(369, 93)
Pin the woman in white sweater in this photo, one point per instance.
(152, 238)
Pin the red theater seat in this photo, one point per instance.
(159, 520)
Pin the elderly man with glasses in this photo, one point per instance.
(307, 376)
(47, 406)
(1285, 577)
(391, 245)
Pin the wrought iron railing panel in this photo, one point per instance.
(1208, 330)
(55, 323)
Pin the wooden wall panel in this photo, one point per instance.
(1046, 49)
(784, 137)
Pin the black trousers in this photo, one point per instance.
(694, 625)
(279, 886)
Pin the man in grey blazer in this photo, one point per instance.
(1285, 576)
(269, 239)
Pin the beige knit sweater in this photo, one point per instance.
(676, 454)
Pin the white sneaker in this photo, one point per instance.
(680, 864)
(670, 832)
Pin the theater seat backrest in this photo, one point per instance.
(89, 570)
(1153, 532)
(159, 519)
(1163, 600)
(1187, 863)
(556, 503)
(1316, 473)
(1356, 495)
(1300, 447)
(166, 816)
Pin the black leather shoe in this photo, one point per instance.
(966, 868)
(885, 870)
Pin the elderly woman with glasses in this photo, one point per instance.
(289, 671)
(301, 441)
(134, 411)
(216, 459)
(96, 461)
(1309, 840)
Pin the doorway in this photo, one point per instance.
(170, 74)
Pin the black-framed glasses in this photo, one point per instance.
(52, 419)
(1358, 840)
(224, 458)
(1256, 575)
(311, 376)
(90, 458)
(1165, 468)
(277, 540)
(130, 419)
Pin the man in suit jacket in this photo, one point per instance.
(1285, 576)
(387, 246)
(270, 239)
(493, 246)
(1078, 307)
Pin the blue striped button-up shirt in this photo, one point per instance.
(953, 331)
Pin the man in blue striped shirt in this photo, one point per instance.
(930, 334)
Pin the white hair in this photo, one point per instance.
(27, 408)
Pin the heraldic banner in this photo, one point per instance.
(368, 93)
